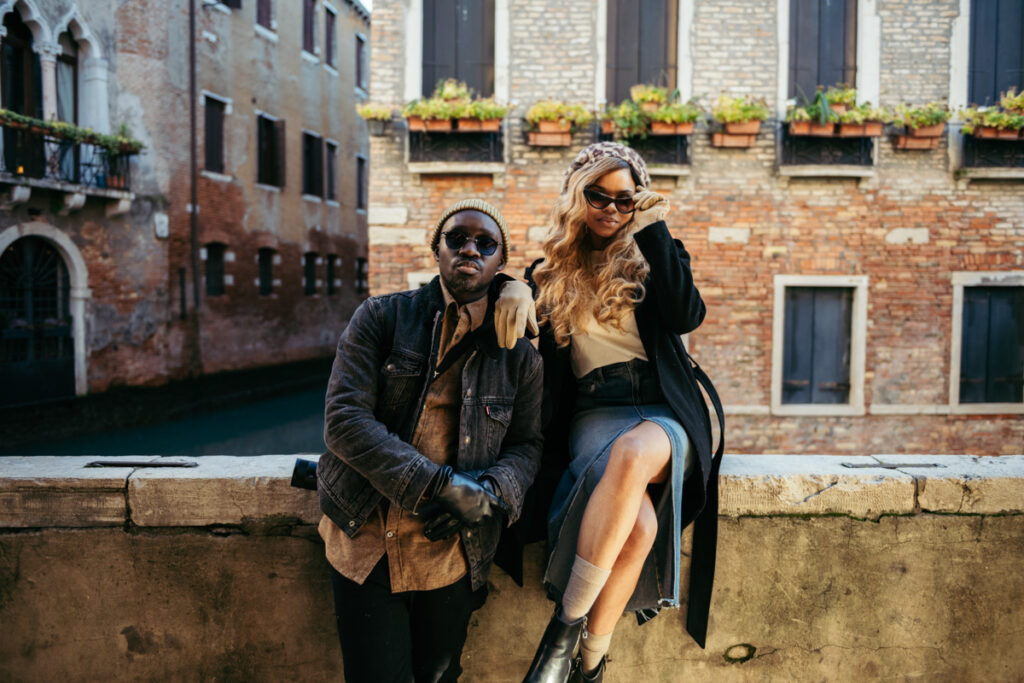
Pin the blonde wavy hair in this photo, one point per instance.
(570, 284)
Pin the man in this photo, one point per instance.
(433, 437)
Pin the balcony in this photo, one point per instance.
(33, 157)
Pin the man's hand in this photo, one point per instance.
(462, 501)
(514, 313)
(651, 207)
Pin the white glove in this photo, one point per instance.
(514, 313)
(651, 207)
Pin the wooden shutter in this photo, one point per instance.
(361, 183)
(263, 14)
(641, 45)
(214, 269)
(992, 345)
(997, 50)
(361, 62)
(816, 345)
(822, 45)
(312, 165)
(266, 268)
(458, 42)
(309, 25)
(329, 39)
(214, 134)
(330, 170)
(278, 168)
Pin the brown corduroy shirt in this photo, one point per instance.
(416, 563)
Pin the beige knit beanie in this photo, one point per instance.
(472, 205)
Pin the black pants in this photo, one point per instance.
(399, 637)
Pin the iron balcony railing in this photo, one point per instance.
(38, 155)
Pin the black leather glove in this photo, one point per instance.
(461, 501)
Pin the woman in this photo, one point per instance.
(622, 406)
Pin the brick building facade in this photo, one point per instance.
(907, 238)
(280, 230)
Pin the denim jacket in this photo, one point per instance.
(385, 358)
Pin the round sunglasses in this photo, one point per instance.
(599, 201)
(456, 240)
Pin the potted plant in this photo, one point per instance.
(991, 122)
(741, 117)
(484, 114)
(411, 112)
(799, 120)
(676, 118)
(607, 118)
(648, 97)
(629, 120)
(377, 116)
(551, 122)
(874, 119)
(1013, 102)
(841, 97)
(924, 125)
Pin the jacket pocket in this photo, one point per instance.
(497, 418)
(400, 378)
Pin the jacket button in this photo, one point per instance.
(391, 367)
(469, 534)
(351, 522)
(469, 392)
(467, 439)
(391, 534)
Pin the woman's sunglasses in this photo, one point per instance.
(456, 240)
(599, 201)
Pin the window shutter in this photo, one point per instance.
(266, 268)
(973, 345)
(458, 42)
(214, 269)
(264, 150)
(623, 56)
(831, 345)
(438, 42)
(641, 45)
(263, 17)
(798, 352)
(278, 170)
(308, 25)
(233, 4)
(997, 49)
(214, 134)
(992, 345)
(822, 45)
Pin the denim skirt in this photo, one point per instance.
(610, 401)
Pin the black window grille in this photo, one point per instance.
(816, 345)
(214, 269)
(822, 45)
(265, 261)
(641, 42)
(477, 147)
(309, 273)
(458, 42)
(996, 62)
(808, 149)
(312, 165)
(214, 134)
(992, 345)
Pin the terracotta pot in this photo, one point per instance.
(822, 130)
(490, 125)
(873, 129)
(928, 131)
(467, 124)
(684, 128)
(732, 140)
(839, 108)
(650, 106)
(662, 128)
(851, 130)
(911, 142)
(607, 127)
(438, 125)
(743, 128)
(799, 127)
(416, 124)
(1007, 134)
(560, 126)
(539, 139)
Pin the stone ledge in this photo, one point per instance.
(44, 491)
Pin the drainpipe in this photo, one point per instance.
(194, 199)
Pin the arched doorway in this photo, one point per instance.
(37, 355)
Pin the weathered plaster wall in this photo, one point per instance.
(216, 572)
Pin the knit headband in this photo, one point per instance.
(600, 150)
(472, 205)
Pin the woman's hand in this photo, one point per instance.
(651, 207)
(514, 313)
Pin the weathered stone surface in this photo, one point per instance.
(42, 491)
(966, 483)
(800, 485)
(222, 490)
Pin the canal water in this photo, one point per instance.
(293, 423)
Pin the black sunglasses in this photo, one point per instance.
(599, 201)
(456, 240)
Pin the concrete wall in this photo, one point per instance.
(825, 572)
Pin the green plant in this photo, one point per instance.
(452, 89)
(643, 92)
(677, 112)
(374, 112)
(630, 121)
(879, 114)
(930, 114)
(118, 143)
(854, 116)
(841, 93)
(1011, 100)
(729, 109)
(487, 108)
(795, 113)
(553, 110)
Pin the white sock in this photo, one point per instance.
(593, 648)
(585, 584)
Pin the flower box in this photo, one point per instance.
(662, 128)
(822, 130)
(838, 107)
(912, 142)
(684, 128)
(873, 129)
(799, 127)
(607, 127)
(559, 126)
(490, 125)
(438, 125)
(416, 124)
(1007, 134)
(743, 127)
(542, 139)
(467, 125)
(650, 106)
(851, 130)
(928, 131)
(732, 140)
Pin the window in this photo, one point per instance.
(641, 45)
(271, 151)
(818, 342)
(361, 62)
(992, 345)
(362, 276)
(330, 42)
(458, 42)
(312, 165)
(331, 170)
(265, 262)
(22, 75)
(214, 134)
(232, 4)
(309, 273)
(214, 253)
(332, 285)
(361, 182)
(309, 26)
(822, 45)
(997, 50)
(263, 14)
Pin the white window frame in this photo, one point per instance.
(858, 343)
(962, 279)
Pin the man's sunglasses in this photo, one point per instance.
(599, 201)
(456, 240)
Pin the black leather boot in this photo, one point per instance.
(553, 660)
(579, 677)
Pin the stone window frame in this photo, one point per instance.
(858, 344)
(960, 280)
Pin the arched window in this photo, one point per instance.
(22, 75)
(67, 79)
